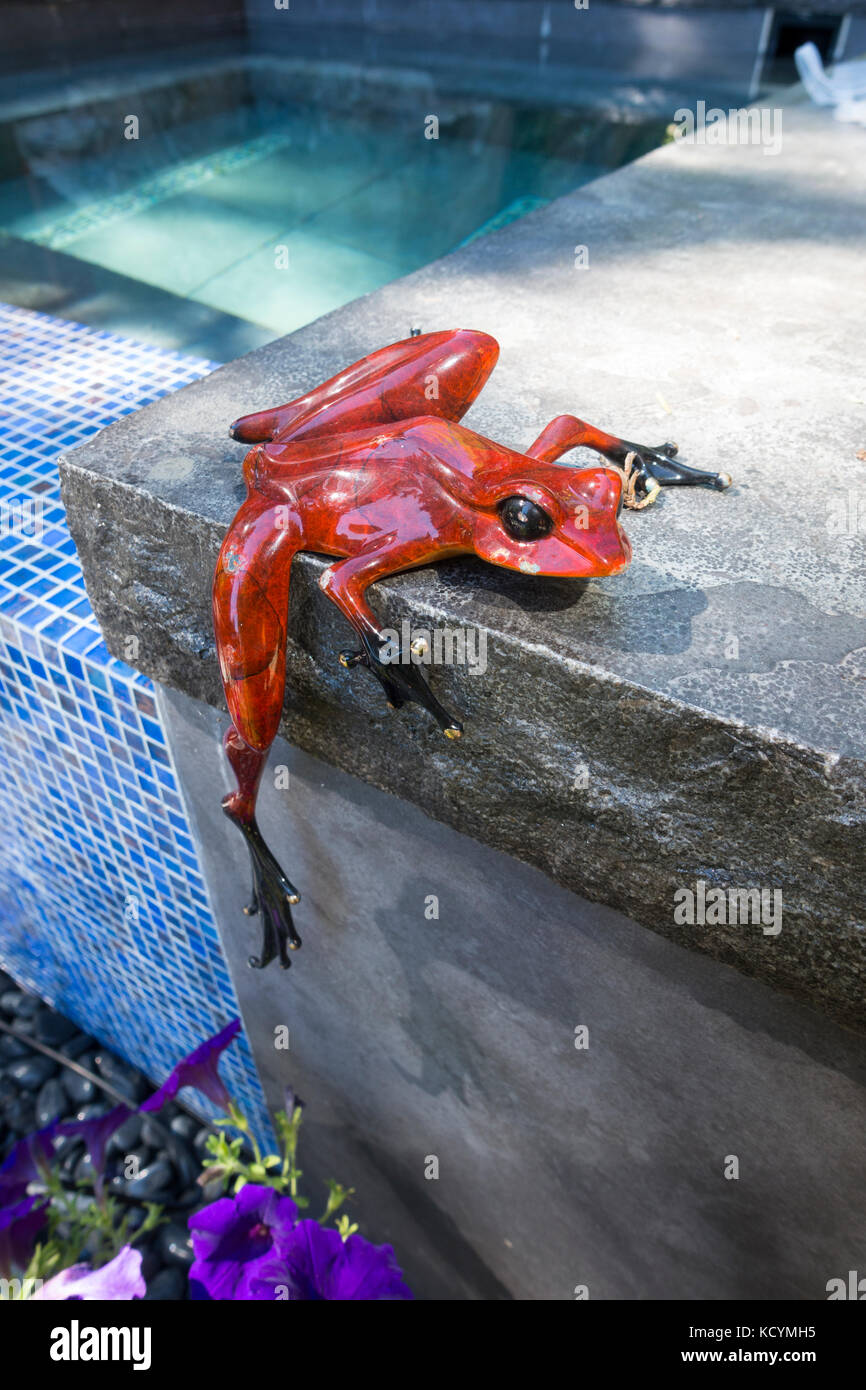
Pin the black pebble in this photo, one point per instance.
(210, 1191)
(21, 1005)
(125, 1139)
(185, 1126)
(92, 1112)
(174, 1243)
(78, 1088)
(152, 1132)
(50, 1103)
(201, 1140)
(164, 1156)
(11, 1049)
(135, 1218)
(142, 1156)
(31, 1072)
(192, 1197)
(64, 1143)
(169, 1284)
(151, 1262)
(8, 1092)
(82, 1042)
(188, 1164)
(53, 1029)
(84, 1169)
(20, 1118)
(71, 1158)
(124, 1078)
(153, 1184)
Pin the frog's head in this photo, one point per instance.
(556, 522)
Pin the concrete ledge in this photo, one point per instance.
(715, 692)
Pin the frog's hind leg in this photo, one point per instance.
(273, 894)
(433, 374)
(647, 467)
(250, 608)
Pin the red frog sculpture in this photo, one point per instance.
(375, 469)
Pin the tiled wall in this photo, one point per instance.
(103, 908)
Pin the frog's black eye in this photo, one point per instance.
(524, 520)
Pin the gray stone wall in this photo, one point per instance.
(452, 1036)
(675, 37)
(62, 33)
(664, 40)
(622, 42)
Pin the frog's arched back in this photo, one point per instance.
(374, 469)
(434, 374)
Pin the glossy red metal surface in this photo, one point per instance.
(375, 469)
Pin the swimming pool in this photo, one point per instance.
(275, 191)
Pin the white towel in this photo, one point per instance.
(842, 88)
(853, 111)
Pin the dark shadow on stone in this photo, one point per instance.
(524, 591)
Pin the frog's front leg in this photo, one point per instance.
(345, 584)
(648, 467)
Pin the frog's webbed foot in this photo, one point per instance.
(648, 468)
(273, 894)
(402, 681)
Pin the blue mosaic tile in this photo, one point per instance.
(103, 906)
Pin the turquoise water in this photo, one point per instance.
(278, 215)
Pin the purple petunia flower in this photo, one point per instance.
(26, 1162)
(96, 1134)
(315, 1263)
(120, 1279)
(19, 1226)
(252, 1246)
(199, 1069)
(236, 1237)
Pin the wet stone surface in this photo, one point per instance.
(701, 717)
